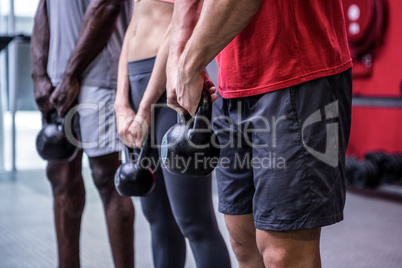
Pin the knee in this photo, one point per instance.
(276, 257)
(53, 172)
(67, 187)
(290, 248)
(194, 231)
(64, 177)
(245, 252)
(103, 179)
(123, 209)
(280, 257)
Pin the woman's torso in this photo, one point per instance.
(151, 20)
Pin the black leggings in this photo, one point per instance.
(179, 206)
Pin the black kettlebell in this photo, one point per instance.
(350, 167)
(366, 174)
(52, 143)
(135, 178)
(190, 147)
(392, 167)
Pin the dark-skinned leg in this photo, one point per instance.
(119, 210)
(298, 249)
(69, 200)
(243, 239)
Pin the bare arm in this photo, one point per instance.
(157, 83)
(155, 89)
(39, 53)
(184, 20)
(218, 24)
(124, 113)
(123, 82)
(96, 29)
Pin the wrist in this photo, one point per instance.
(39, 76)
(119, 104)
(191, 63)
(70, 75)
(144, 108)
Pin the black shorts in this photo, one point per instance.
(283, 153)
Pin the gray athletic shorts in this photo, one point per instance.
(283, 152)
(98, 130)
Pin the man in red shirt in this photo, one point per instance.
(282, 117)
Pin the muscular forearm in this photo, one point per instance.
(219, 23)
(40, 42)
(185, 17)
(157, 83)
(96, 29)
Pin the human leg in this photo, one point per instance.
(69, 200)
(300, 186)
(235, 181)
(119, 211)
(101, 144)
(243, 240)
(192, 207)
(191, 202)
(168, 244)
(298, 249)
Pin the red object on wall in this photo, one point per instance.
(375, 39)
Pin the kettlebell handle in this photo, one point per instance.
(129, 152)
(204, 109)
(202, 119)
(183, 117)
(146, 148)
(144, 152)
(53, 118)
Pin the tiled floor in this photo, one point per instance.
(369, 237)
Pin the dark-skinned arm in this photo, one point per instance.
(97, 27)
(218, 24)
(39, 52)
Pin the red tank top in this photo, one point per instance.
(285, 44)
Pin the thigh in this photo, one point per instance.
(190, 197)
(64, 175)
(97, 121)
(233, 173)
(299, 177)
(241, 229)
(156, 206)
(299, 248)
(103, 170)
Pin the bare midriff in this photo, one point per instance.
(151, 20)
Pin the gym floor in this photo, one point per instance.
(369, 237)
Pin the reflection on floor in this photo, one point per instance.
(369, 237)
